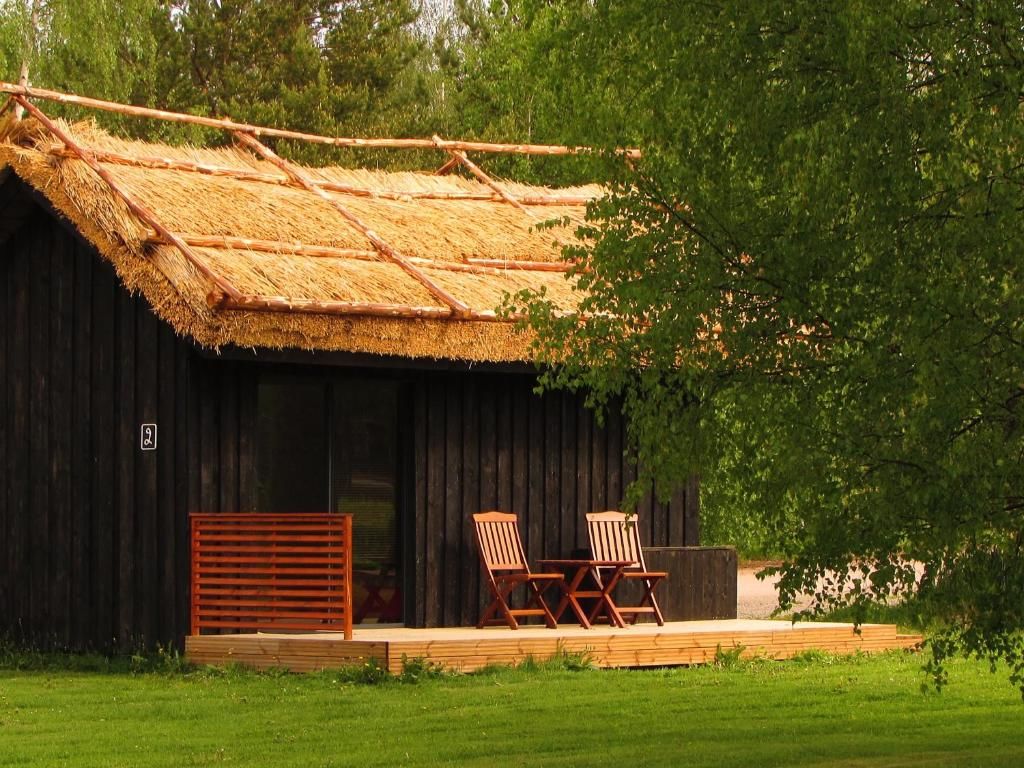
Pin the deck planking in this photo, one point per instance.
(466, 649)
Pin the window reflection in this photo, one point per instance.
(334, 444)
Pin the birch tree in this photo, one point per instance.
(103, 48)
(811, 289)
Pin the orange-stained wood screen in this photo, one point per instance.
(272, 572)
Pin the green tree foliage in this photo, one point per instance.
(489, 56)
(316, 65)
(326, 66)
(102, 48)
(810, 290)
(251, 60)
(496, 59)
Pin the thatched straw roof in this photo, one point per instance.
(235, 246)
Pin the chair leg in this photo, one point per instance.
(650, 600)
(657, 609)
(485, 617)
(501, 589)
(499, 603)
(537, 599)
(648, 604)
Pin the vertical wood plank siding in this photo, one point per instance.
(484, 441)
(94, 531)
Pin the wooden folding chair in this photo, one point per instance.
(613, 536)
(504, 562)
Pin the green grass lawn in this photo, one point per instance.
(855, 711)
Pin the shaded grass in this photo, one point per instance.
(815, 711)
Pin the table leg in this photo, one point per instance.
(570, 597)
(605, 600)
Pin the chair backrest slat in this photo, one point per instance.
(615, 536)
(497, 535)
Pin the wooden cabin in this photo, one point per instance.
(219, 330)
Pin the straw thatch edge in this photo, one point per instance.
(434, 339)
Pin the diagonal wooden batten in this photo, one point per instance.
(479, 173)
(230, 125)
(473, 168)
(136, 207)
(381, 245)
(448, 167)
(174, 164)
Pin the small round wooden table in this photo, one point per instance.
(573, 589)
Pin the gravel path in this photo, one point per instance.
(757, 598)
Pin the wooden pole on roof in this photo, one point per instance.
(176, 164)
(504, 265)
(285, 304)
(134, 206)
(279, 247)
(364, 309)
(19, 110)
(386, 250)
(460, 156)
(255, 130)
(448, 167)
(32, 35)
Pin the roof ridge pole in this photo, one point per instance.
(385, 249)
(226, 288)
(337, 141)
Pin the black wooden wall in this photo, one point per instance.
(94, 531)
(486, 441)
(95, 543)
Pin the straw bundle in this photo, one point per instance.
(319, 279)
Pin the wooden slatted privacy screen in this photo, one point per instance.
(272, 572)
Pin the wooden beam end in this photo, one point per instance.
(216, 299)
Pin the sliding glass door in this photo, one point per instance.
(333, 443)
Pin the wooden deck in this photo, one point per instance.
(467, 649)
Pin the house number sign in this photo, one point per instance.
(147, 439)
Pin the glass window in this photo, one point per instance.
(291, 445)
(364, 469)
(333, 445)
